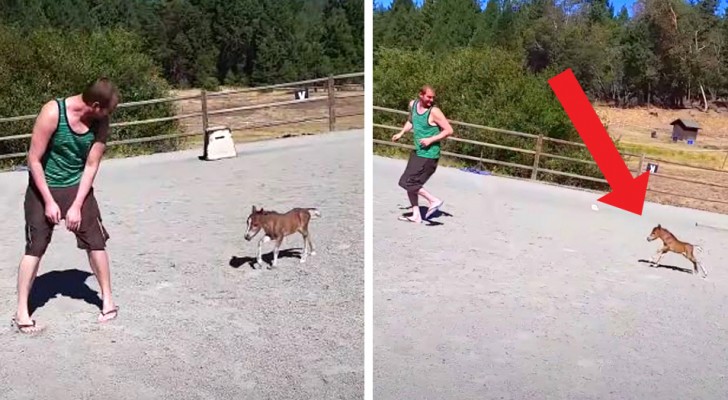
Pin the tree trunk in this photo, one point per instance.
(705, 100)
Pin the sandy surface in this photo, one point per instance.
(498, 302)
(194, 323)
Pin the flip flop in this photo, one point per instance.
(434, 208)
(409, 219)
(115, 310)
(19, 327)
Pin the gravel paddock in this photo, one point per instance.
(196, 321)
(522, 291)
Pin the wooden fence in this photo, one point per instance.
(673, 183)
(346, 90)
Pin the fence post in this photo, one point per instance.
(203, 102)
(724, 160)
(641, 164)
(204, 110)
(332, 104)
(539, 146)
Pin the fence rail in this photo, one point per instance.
(204, 114)
(538, 153)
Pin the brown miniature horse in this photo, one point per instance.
(672, 243)
(277, 226)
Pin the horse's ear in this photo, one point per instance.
(659, 226)
(253, 208)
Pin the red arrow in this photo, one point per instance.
(627, 193)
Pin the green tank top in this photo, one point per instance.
(422, 129)
(65, 158)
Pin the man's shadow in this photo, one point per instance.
(423, 211)
(70, 283)
(672, 267)
(237, 262)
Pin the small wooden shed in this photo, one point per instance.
(685, 129)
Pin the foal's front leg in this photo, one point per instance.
(259, 257)
(276, 249)
(304, 256)
(660, 253)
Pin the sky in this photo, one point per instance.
(616, 3)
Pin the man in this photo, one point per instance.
(430, 126)
(67, 144)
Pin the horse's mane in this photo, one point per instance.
(668, 232)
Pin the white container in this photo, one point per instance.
(219, 144)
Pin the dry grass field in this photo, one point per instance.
(676, 184)
(266, 123)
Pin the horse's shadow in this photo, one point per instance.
(70, 283)
(423, 211)
(672, 267)
(237, 262)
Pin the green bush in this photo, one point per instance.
(50, 63)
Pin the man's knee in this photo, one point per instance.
(403, 182)
(36, 241)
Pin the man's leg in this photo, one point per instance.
(434, 203)
(27, 271)
(92, 237)
(416, 216)
(99, 261)
(38, 233)
(409, 181)
(428, 196)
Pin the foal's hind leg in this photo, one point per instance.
(690, 256)
(310, 244)
(307, 240)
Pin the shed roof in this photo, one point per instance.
(687, 123)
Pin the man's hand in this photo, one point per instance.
(397, 136)
(73, 218)
(426, 142)
(53, 212)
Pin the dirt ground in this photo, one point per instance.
(196, 321)
(522, 291)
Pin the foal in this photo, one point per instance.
(672, 243)
(277, 226)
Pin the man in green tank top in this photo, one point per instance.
(430, 127)
(66, 146)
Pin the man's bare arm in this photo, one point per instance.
(92, 162)
(445, 129)
(45, 125)
(407, 125)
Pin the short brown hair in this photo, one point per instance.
(102, 91)
(424, 89)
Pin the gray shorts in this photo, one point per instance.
(91, 235)
(418, 172)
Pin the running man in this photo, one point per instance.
(66, 146)
(430, 127)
